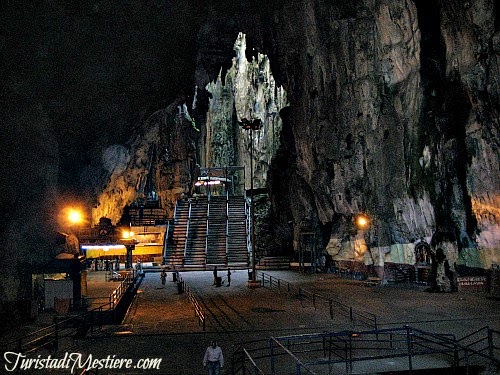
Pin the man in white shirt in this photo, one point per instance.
(213, 359)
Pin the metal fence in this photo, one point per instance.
(75, 325)
(345, 352)
(334, 307)
(198, 310)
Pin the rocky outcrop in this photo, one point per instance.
(165, 146)
(248, 91)
(393, 113)
(392, 110)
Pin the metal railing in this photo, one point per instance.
(187, 231)
(198, 309)
(116, 295)
(49, 337)
(227, 225)
(72, 326)
(243, 358)
(165, 240)
(340, 351)
(355, 316)
(482, 341)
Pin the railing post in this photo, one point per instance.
(324, 346)
(330, 346)
(56, 333)
(92, 321)
(271, 351)
(100, 318)
(350, 354)
(409, 342)
(456, 357)
(490, 343)
(466, 361)
(346, 355)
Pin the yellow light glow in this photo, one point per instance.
(127, 234)
(75, 217)
(362, 221)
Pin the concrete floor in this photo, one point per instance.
(161, 322)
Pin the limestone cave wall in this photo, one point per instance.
(394, 115)
(392, 112)
(165, 146)
(248, 91)
(392, 109)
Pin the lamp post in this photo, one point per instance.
(251, 125)
(129, 242)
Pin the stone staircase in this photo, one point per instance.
(237, 249)
(217, 231)
(208, 232)
(175, 237)
(197, 234)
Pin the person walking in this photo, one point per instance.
(163, 277)
(213, 359)
(215, 275)
(228, 276)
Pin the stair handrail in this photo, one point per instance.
(227, 225)
(208, 231)
(187, 229)
(165, 242)
(248, 229)
(167, 233)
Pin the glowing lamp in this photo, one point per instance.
(75, 217)
(126, 234)
(362, 221)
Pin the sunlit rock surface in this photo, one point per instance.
(248, 91)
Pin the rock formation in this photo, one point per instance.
(391, 109)
(392, 113)
(395, 108)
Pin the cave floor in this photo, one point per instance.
(161, 323)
